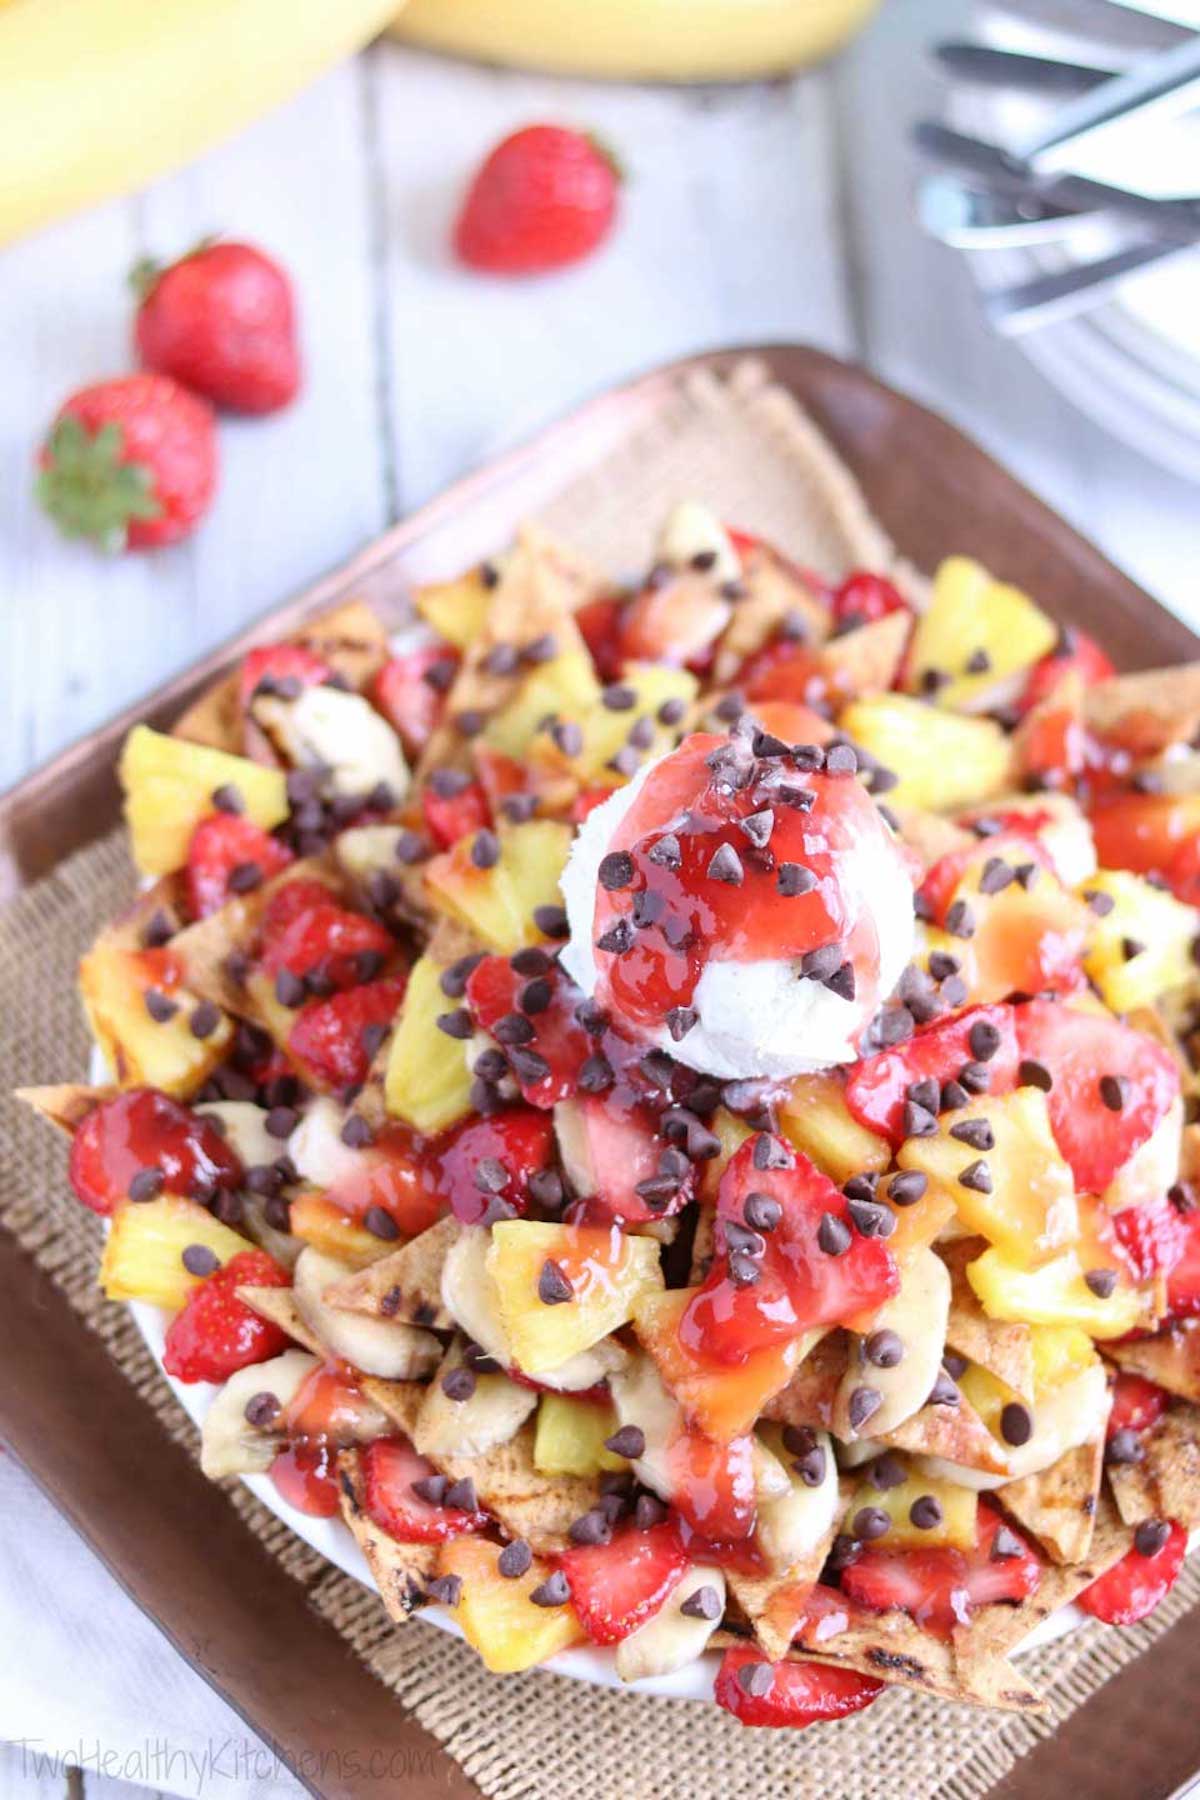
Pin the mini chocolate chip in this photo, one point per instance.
(1100, 903)
(1016, 1424)
(261, 1410)
(703, 1603)
(917, 1121)
(648, 1512)
(985, 1039)
(554, 1288)
(758, 827)
(1005, 1545)
(485, 849)
(1034, 1074)
(147, 1184)
(942, 964)
(977, 1133)
(977, 1177)
(290, 989)
(756, 1679)
(618, 939)
(380, 1223)
(491, 1176)
(591, 1528)
(198, 1259)
(954, 991)
(996, 875)
(158, 1006)
(470, 723)
(953, 1096)
(515, 1559)
(975, 1077)
(833, 1235)
(944, 1391)
(871, 1219)
(1114, 1091)
(1124, 1446)
(840, 759)
(726, 865)
(629, 1441)
(535, 996)
(770, 1152)
(595, 1075)
(541, 649)
(761, 1212)
(410, 848)
(864, 1403)
(1151, 1536)
(908, 1187)
(884, 1348)
(926, 1512)
(887, 1471)
(529, 1066)
(281, 1121)
(960, 920)
(667, 853)
(821, 963)
(371, 1038)
(158, 929)
(461, 1495)
(552, 921)
(554, 1591)
(924, 1093)
(444, 1590)
(681, 1020)
(1101, 1281)
(870, 1522)
(458, 1384)
(648, 908)
(228, 798)
(456, 1024)
(841, 982)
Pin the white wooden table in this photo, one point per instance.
(777, 211)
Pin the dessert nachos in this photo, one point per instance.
(669, 1107)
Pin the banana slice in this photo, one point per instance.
(244, 1128)
(692, 529)
(229, 1444)
(672, 1637)
(792, 1525)
(491, 1414)
(641, 1399)
(1073, 1414)
(394, 1352)
(918, 1315)
(771, 1479)
(327, 729)
(468, 1295)
(316, 1145)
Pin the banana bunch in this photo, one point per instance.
(655, 40)
(99, 96)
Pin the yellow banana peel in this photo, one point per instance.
(100, 96)
(656, 40)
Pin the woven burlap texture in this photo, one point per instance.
(540, 1736)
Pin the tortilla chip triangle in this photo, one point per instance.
(1165, 1484)
(1171, 1358)
(1058, 1505)
(1005, 1350)
(66, 1105)
(406, 1284)
(400, 1570)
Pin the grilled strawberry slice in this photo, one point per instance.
(877, 1087)
(452, 815)
(534, 1015)
(811, 1268)
(1079, 655)
(339, 948)
(216, 1334)
(1111, 1086)
(410, 692)
(142, 1132)
(600, 625)
(616, 1587)
(863, 598)
(229, 855)
(939, 1588)
(482, 1169)
(280, 669)
(1183, 1281)
(334, 1040)
(1132, 1588)
(391, 1469)
(788, 1693)
(712, 1486)
(1136, 1404)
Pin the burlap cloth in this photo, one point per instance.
(746, 448)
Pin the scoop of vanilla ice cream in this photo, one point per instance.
(756, 1019)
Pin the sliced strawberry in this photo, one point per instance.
(712, 1486)
(877, 1087)
(675, 623)
(940, 1587)
(1136, 1404)
(344, 948)
(600, 624)
(1081, 655)
(788, 1693)
(306, 1477)
(1132, 1588)
(548, 1029)
(784, 670)
(1017, 844)
(1051, 744)
(482, 1169)
(798, 1284)
(144, 1133)
(863, 598)
(624, 1152)
(229, 855)
(1183, 1280)
(1183, 872)
(280, 667)
(1082, 1051)
(1143, 832)
(334, 1040)
(586, 802)
(287, 903)
(1152, 1237)
(390, 1468)
(616, 1587)
(452, 816)
(410, 692)
(216, 1334)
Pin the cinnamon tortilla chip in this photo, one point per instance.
(215, 718)
(1058, 1506)
(66, 1105)
(955, 1433)
(279, 1306)
(894, 1648)
(703, 1244)
(1005, 1350)
(406, 1284)
(866, 660)
(1171, 1358)
(773, 591)
(773, 1603)
(1001, 1630)
(808, 1398)
(1146, 712)
(400, 1570)
(1165, 1484)
(203, 950)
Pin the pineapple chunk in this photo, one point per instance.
(457, 610)
(955, 1530)
(169, 785)
(1030, 1210)
(1060, 1353)
(1055, 1294)
(608, 1272)
(1024, 939)
(814, 1116)
(943, 760)
(564, 688)
(733, 1133)
(141, 1051)
(498, 904)
(143, 1255)
(496, 1613)
(428, 1083)
(570, 1437)
(722, 1401)
(989, 1395)
(605, 731)
(317, 1221)
(1142, 948)
(969, 612)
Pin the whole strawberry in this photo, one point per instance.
(130, 463)
(545, 197)
(223, 321)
